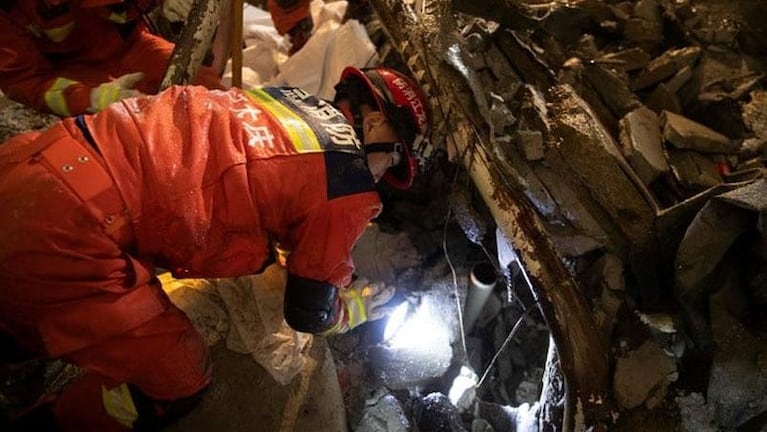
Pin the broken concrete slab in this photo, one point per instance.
(663, 99)
(665, 66)
(628, 60)
(755, 113)
(684, 133)
(612, 89)
(383, 413)
(680, 78)
(696, 415)
(641, 32)
(737, 388)
(531, 144)
(643, 376)
(642, 144)
(693, 171)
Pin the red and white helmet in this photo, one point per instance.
(407, 108)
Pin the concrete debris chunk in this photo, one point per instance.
(694, 171)
(684, 133)
(663, 99)
(612, 90)
(383, 414)
(665, 66)
(642, 144)
(643, 376)
(628, 60)
(755, 113)
(737, 386)
(531, 144)
(640, 31)
(695, 414)
(648, 10)
(680, 78)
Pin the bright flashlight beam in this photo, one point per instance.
(396, 319)
(421, 331)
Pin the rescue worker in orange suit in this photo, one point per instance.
(70, 57)
(293, 19)
(200, 182)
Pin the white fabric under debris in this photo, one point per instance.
(252, 313)
(318, 65)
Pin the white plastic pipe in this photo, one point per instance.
(482, 280)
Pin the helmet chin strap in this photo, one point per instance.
(383, 147)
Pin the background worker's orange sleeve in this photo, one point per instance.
(286, 18)
(26, 76)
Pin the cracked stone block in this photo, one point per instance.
(737, 387)
(694, 171)
(628, 60)
(684, 133)
(642, 143)
(531, 144)
(643, 376)
(640, 31)
(665, 66)
(663, 99)
(755, 113)
(680, 78)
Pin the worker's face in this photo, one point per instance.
(377, 129)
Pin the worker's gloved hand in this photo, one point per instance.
(176, 10)
(113, 91)
(362, 301)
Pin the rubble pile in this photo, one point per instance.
(636, 131)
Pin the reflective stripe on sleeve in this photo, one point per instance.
(58, 34)
(301, 134)
(118, 403)
(118, 17)
(54, 97)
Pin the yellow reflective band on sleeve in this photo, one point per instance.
(118, 403)
(58, 34)
(301, 134)
(119, 18)
(54, 97)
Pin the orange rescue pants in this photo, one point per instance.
(70, 290)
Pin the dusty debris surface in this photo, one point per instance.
(628, 137)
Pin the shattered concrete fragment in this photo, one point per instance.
(648, 10)
(716, 35)
(755, 113)
(531, 144)
(383, 414)
(642, 144)
(640, 31)
(665, 66)
(696, 415)
(737, 387)
(694, 171)
(612, 89)
(643, 376)
(686, 134)
(628, 60)
(663, 99)
(680, 78)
